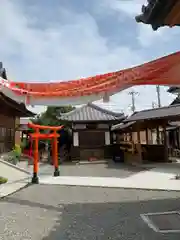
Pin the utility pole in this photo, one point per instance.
(133, 93)
(158, 95)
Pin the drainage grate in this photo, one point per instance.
(165, 222)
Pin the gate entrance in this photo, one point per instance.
(36, 136)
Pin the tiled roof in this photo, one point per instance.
(20, 107)
(174, 89)
(169, 113)
(176, 123)
(173, 126)
(160, 13)
(122, 126)
(175, 101)
(91, 112)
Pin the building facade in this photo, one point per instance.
(10, 113)
(91, 134)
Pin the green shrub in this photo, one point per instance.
(3, 180)
(15, 154)
(17, 150)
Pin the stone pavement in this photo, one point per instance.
(156, 177)
(91, 170)
(52, 212)
(17, 178)
(147, 180)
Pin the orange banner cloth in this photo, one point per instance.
(163, 71)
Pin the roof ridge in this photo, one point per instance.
(157, 108)
(9, 101)
(106, 111)
(72, 111)
(94, 106)
(92, 112)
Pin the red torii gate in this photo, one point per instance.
(35, 137)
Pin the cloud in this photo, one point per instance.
(129, 7)
(64, 51)
(66, 46)
(147, 37)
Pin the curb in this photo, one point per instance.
(91, 162)
(114, 187)
(17, 190)
(14, 166)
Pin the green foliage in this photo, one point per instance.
(3, 180)
(17, 150)
(50, 116)
(15, 154)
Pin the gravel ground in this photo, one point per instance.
(42, 212)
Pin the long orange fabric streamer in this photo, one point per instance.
(163, 71)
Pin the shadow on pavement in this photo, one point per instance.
(105, 221)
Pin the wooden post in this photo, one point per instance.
(125, 137)
(158, 136)
(139, 148)
(176, 138)
(179, 136)
(36, 158)
(147, 136)
(55, 155)
(131, 138)
(165, 143)
(22, 135)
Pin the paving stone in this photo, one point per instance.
(42, 212)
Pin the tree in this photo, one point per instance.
(50, 116)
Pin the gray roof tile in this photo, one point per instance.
(156, 113)
(122, 126)
(18, 106)
(175, 101)
(91, 112)
(173, 89)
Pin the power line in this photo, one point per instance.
(133, 94)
